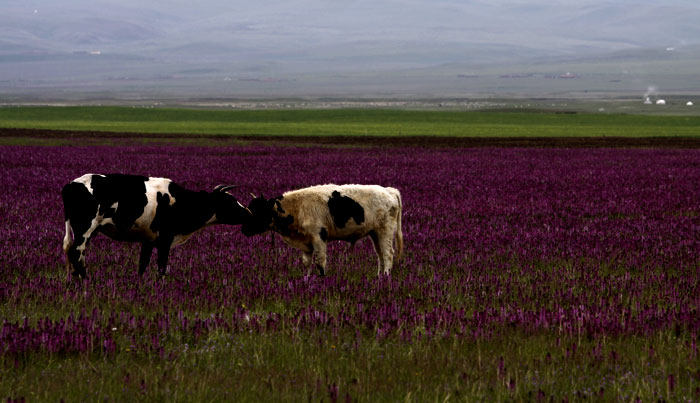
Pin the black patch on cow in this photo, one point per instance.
(343, 208)
(283, 224)
(162, 212)
(129, 191)
(190, 211)
(79, 206)
(324, 234)
(352, 239)
(228, 210)
(261, 218)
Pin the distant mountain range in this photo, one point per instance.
(46, 41)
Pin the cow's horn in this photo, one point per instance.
(254, 196)
(224, 188)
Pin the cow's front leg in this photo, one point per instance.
(76, 260)
(82, 232)
(378, 249)
(163, 254)
(67, 243)
(320, 255)
(306, 260)
(145, 258)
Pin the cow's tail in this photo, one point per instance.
(398, 236)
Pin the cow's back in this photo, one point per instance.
(341, 209)
(126, 204)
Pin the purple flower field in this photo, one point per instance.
(573, 242)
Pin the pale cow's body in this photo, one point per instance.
(308, 218)
(153, 211)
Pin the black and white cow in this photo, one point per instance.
(154, 211)
(308, 218)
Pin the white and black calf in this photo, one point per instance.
(154, 211)
(308, 218)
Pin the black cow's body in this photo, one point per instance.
(154, 211)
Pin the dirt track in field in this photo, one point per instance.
(409, 141)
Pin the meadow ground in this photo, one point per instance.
(350, 122)
(529, 273)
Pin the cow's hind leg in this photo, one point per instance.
(387, 252)
(163, 255)
(145, 257)
(378, 249)
(384, 246)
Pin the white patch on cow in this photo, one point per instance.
(86, 180)
(162, 185)
(153, 187)
(93, 226)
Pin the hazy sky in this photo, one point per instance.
(301, 23)
(146, 38)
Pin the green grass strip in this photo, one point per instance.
(348, 122)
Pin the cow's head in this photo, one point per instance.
(228, 209)
(261, 218)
